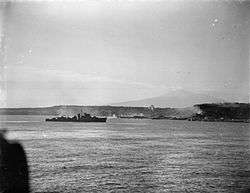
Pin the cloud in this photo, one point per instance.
(29, 86)
(27, 74)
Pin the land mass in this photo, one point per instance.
(107, 111)
(233, 112)
(236, 112)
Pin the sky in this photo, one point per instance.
(102, 52)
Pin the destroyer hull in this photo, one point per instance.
(82, 120)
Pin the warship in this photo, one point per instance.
(78, 118)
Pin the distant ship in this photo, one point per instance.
(78, 118)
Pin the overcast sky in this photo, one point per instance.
(101, 52)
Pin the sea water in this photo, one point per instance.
(125, 155)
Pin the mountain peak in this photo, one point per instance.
(176, 98)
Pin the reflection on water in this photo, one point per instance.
(134, 155)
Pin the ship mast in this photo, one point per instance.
(81, 112)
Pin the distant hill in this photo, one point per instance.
(174, 99)
(239, 112)
(100, 111)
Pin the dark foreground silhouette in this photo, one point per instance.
(14, 176)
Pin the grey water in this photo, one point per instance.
(125, 155)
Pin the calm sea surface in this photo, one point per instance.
(134, 155)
